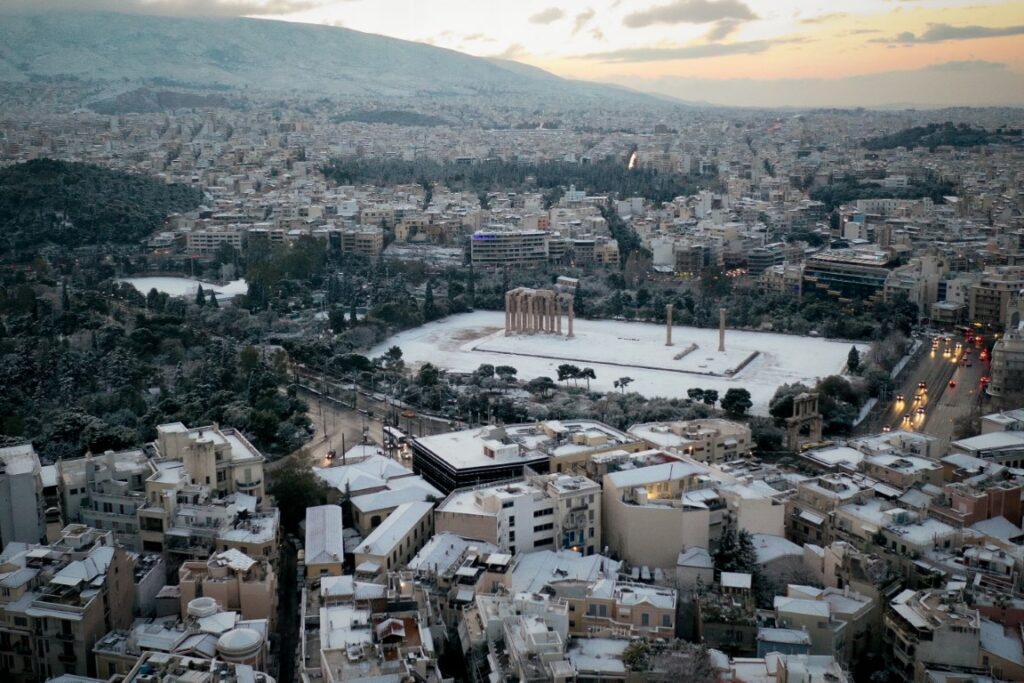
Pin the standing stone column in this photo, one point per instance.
(721, 329)
(572, 315)
(668, 325)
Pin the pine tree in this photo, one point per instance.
(213, 299)
(853, 360)
(429, 307)
(727, 551)
(200, 296)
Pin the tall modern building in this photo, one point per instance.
(22, 510)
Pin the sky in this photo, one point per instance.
(736, 52)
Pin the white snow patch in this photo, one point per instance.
(186, 286)
(615, 349)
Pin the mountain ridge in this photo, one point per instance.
(264, 55)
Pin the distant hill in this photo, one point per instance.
(72, 204)
(148, 100)
(263, 56)
(947, 134)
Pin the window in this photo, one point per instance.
(590, 532)
(512, 521)
(511, 536)
(645, 619)
(544, 512)
(666, 620)
(508, 504)
(543, 527)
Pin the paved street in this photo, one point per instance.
(941, 404)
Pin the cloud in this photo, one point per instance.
(940, 33)
(822, 18)
(973, 82)
(722, 30)
(690, 12)
(596, 34)
(547, 16)
(478, 38)
(513, 51)
(661, 54)
(582, 19)
(177, 8)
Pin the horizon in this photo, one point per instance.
(753, 53)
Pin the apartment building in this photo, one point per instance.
(105, 491)
(932, 628)
(22, 503)
(848, 273)
(58, 600)
(711, 440)
(989, 299)
(539, 512)
(221, 459)
(207, 240)
(362, 240)
(238, 583)
(496, 248)
(172, 668)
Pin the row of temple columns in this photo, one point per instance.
(531, 310)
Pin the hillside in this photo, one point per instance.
(72, 204)
(262, 55)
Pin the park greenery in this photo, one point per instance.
(73, 204)
(946, 134)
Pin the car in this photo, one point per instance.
(920, 410)
(408, 413)
(899, 397)
(908, 417)
(952, 383)
(887, 428)
(922, 385)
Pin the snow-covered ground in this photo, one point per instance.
(617, 349)
(186, 286)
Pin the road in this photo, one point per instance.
(287, 614)
(935, 410)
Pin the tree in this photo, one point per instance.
(295, 487)
(428, 375)
(710, 396)
(587, 374)
(506, 372)
(213, 299)
(622, 382)
(541, 385)
(853, 360)
(695, 394)
(336, 320)
(430, 311)
(567, 371)
(200, 296)
(736, 402)
(248, 359)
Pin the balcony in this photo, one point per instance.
(248, 485)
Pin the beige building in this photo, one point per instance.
(396, 540)
(989, 299)
(236, 581)
(58, 600)
(221, 459)
(324, 551)
(651, 514)
(539, 512)
(710, 440)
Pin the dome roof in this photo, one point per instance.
(239, 642)
(202, 607)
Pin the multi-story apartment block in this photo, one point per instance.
(396, 540)
(540, 512)
(105, 492)
(237, 582)
(496, 248)
(989, 300)
(221, 459)
(710, 440)
(22, 504)
(205, 241)
(58, 600)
